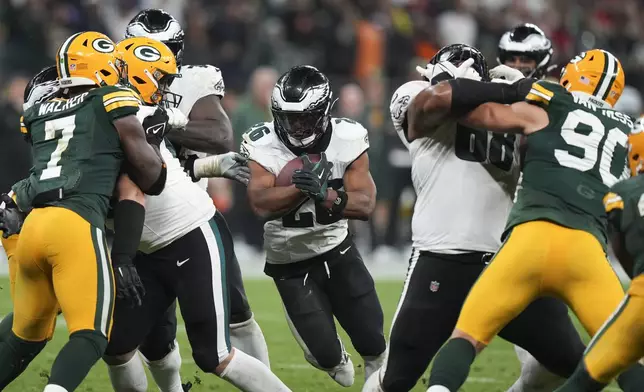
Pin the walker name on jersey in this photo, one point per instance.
(61, 105)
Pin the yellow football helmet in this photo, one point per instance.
(636, 147)
(87, 59)
(596, 73)
(150, 67)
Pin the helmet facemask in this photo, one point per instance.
(303, 128)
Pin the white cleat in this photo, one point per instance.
(343, 374)
(373, 383)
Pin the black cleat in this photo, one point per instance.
(187, 386)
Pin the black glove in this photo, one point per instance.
(128, 283)
(312, 178)
(156, 126)
(11, 218)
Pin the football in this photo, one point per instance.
(286, 174)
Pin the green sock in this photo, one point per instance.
(15, 355)
(581, 381)
(5, 326)
(632, 379)
(452, 364)
(76, 358)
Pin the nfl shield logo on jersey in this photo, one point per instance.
(433, 287)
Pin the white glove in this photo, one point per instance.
(230, 165)
(464, 70)
(504, 72)
(176, 118)
(145, 111)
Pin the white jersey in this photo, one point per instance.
(196, 82)
(464, 181)
(181, 207)
(301, 235)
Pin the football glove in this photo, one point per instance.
(11, 218)
(312, 178)
(445, 70)
(230, 165)
(507, 73)
(129, 287)
(176, 119)
(156, 126)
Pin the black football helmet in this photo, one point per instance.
(529, 41)
(457, 53)
(301, 105)
(160, 25)
(41, 87)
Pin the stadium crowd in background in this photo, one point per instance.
(367, 47)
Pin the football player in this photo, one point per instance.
(620, 342)
(201, 88)
(527, 49)
(576, 150)
(79, 142)
(181, 256)
(448, 258)
(310, 255)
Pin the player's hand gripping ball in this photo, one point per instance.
(312, 178)
(285, 176)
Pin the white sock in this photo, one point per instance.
(54, 388)
(438, 388)
(128, 377)
(534, 377)
(250, 375)
(166, 370)
(372, 364)
(248, 337)
(372, 384)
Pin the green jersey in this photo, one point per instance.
(571, 163)
(625, 207)
(76, 151)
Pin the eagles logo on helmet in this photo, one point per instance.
(301, 104)
(523, 44)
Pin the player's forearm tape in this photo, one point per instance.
(128, 226)
(156, 188)
(207, 167)
(467, 94)
(340, 202)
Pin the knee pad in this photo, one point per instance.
(96, 339)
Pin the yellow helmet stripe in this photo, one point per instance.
(63, 63)
(607, 79)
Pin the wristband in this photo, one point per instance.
(189, 167)
(340, 202)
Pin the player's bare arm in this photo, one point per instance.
(360, 191)
(428, 109)
(268, 200)
(520, 117)
(208, 130)
(147, 168)
(126, 189)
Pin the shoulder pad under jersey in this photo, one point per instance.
(543, 92)
(353, 137)
(261, 144)
(197, 81)
(400, 102)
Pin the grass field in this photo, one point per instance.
(494, 371)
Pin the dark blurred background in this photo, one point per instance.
(366, 47)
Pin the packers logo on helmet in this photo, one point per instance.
(87, 59)
(150, 67)
(596, 74)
